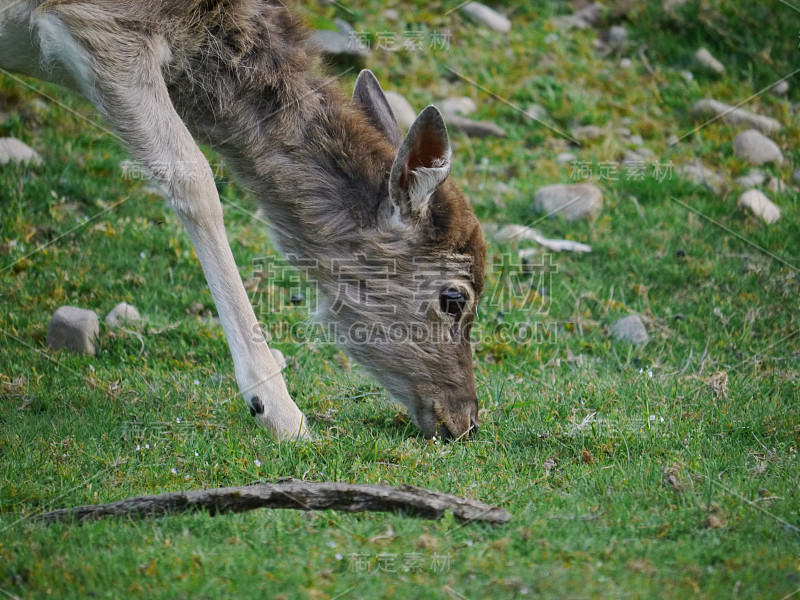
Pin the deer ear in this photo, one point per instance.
(421, 165)
(369, 95)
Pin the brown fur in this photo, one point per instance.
(242, 76)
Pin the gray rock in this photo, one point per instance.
(617, 35)
(391, 14)
(757, 203)
(637, 157)
(39, 105)
(122, 314)
(700, 175)
(757, 148)
(12, 149)
(588, 16)
(461, 105)
(704, 57)
(753, 179)
(781, 88)
(630, 329)
(342, 42)
(475, 128)
(536, 112)
(625, 63)
(565, 157)
(586, 133)
(503, 188)
(636, 140)
(401, 108)
(646, 153)
(734, 116)
(573, 200)
(777, 186)
(487, 17)
(796, 175)
(73, 328)
(279, 358)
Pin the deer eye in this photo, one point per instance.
(452, 302)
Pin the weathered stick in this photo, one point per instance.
(301, 495)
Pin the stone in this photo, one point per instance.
(279, 358)
(488, 17)
(796, 175)
(572, 200)
(781, 88)
(616, 35)
(757, 203)
(536, 112)
(636, 140)
(630, 329)
(342, 42)
(475, 128)
(588, 16)
(462, 106)
(632, 158)
(625, 63)
(700, 175)
(566, 157)
(756, 148)
(75, 329)
(777, 186)
(401, 109)
(12, 149)
(122, 314)
(753, 179)
(391, 14)
(586, 133)
(704, 57)
(734, 116)
(196, 308)
(503, 188)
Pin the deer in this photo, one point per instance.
(340, 186)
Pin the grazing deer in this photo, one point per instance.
(341, 188)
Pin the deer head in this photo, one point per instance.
(405, 304)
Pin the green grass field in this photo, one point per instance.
(667, 470)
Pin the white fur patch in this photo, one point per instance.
(60, 50)
(426, 180)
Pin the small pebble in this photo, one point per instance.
(573, 201)
(75, 329)
(487, 16)
(630, 329)
(704, 57)
(12, 149)
(757, 203)
(757, 148)
(402, 110)
(122, 314)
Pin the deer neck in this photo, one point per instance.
(318, 169)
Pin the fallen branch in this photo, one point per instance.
(300, 495)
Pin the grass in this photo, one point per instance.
(665, 470)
